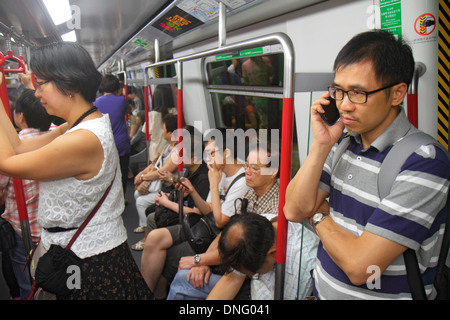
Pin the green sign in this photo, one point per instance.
(391, 16)
(240, 54)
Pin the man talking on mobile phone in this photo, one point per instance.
(363, 238)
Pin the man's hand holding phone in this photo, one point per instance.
(331, 113)
(324, 132)
(183, 185)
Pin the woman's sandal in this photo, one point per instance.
(138, 246)
(139, 229)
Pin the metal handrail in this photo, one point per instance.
(287, 124)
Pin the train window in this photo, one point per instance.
(246, 93)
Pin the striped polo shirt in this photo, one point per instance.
(412, 215)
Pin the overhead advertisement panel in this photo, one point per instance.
(176, 22)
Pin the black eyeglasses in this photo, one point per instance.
(355, 96)
(38, 85)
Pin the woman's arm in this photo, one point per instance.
(77, 154)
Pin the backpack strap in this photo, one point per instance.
(397, 156)
(389, 170)
(232, 182)
(441, 281)
(340, 149)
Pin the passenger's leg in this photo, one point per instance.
(154, 256)
(142, 203)
(182, 289)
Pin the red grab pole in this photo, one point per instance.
(413, 114)
(285, 176)
(18, 185)
(180, 127)
(147, 134)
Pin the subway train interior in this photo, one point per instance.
(253, 66)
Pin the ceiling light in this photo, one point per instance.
(59, 10)
(69, 36)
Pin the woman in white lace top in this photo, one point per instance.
(75, 164)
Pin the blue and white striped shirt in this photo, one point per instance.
(412, 215)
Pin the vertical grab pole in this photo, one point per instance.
(222, 24)
(146, 110)
(412, 97)
(18, 185)
(285, 164)
(180, 135)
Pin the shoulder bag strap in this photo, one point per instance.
(91, 215)
(232, 182)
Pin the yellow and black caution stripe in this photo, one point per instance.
(444, 72)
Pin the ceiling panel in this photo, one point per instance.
(126, 29)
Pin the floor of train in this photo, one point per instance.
(131, 221)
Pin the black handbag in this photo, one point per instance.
(51, 271)
(165, 217)
(200, 230)
(7, 236)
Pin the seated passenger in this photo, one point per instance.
(262, 197)
(258, 233)
(195, 280)
(159, 264)
(144, 178)
(197, 174)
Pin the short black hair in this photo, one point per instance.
(171, 122)
(110, 84)
(249, 251)
(34, 113)
(228, 139)
(70, 66)
(392, 59)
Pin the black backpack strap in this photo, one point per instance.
(232, 182)
(441, 280)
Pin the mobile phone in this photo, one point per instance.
(331, 115)
(175, 180)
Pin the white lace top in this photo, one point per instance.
(65, 203)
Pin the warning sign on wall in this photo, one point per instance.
(425, 24)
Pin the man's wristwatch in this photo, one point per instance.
(317, 218)
(197, 259)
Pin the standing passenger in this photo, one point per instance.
(32, 120)
(75, 163)
(115, 105)
(364, 232)
(162, 104)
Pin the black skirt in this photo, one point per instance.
(113, 275)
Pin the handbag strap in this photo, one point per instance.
(90, 216)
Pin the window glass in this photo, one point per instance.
(246, 93)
